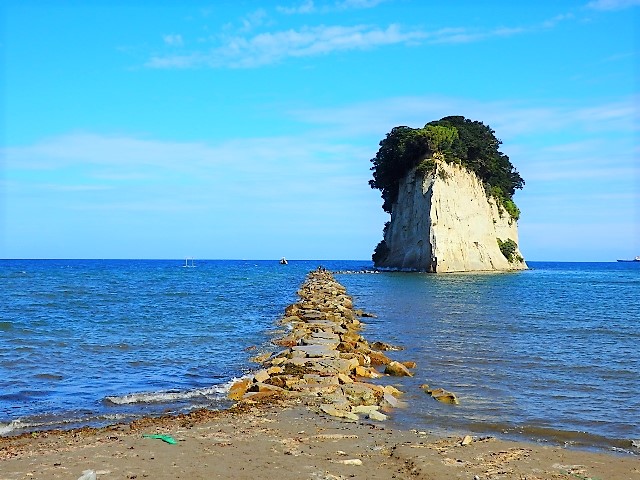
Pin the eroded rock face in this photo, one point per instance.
(444, 222)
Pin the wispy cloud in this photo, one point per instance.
(348, 4)
(509, 119)
(237, 51)
(122, 160)
(253, 20)
(241, 50)
(263, 190)
(174, 40)
(467, 35)
(268, 48)
(309, 6)
(553, 21)
(612, 4)
(305, 7)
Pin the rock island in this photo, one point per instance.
(449, 191)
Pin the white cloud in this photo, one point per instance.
(267, 48)
(174, 40)
(103, 160)
(309, 6)
(465, 35)
(268, 191)
(354, 4)
(305, 7)
(552, 22)
(243, 51)
(508, 119)
(253, 20)
(612, 4)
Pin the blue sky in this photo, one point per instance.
(245, 129)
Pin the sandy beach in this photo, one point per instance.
(283, 439)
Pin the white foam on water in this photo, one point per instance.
(6, 428)
(171, 395)
(25, 425)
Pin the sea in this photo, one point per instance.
(548, 355)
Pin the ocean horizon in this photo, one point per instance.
(548, 354)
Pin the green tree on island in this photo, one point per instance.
(454, 139)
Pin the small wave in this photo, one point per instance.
(7, 428)
(34, 424)
(170, 395)
(49, 376)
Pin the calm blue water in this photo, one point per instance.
(549, 354)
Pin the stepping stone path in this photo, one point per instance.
(326, 362)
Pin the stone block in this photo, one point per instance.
(397, 370)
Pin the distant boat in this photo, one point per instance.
(283, 261)
(186, 263)
(636, 259)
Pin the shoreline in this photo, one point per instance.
(282, 437)
(302, 417)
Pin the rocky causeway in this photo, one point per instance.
(326, 362)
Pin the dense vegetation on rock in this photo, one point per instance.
(508, 248)
(453, 139)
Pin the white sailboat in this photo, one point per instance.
(187, 264)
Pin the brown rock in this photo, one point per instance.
(392, 390)
(335, 412)
(381, 346)
(444, 396)
(261, 358)
(409, 364)
(288, 341)
(316, 351)
(264, 387)
(331, 366)
(352, 337)
(292, 310)
(360, 358)
(261, 376)
(378, 358)
(238, 389)
(257, 396)
(397, 370)
(360, 394)
(367, 372)
(338, 400)
(314, 379)
(345, 347)
(291, 319)
(448, 397)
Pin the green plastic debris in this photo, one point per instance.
(165, 438)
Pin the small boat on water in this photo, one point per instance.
(187, 264)
(636, 259)
(283, 261)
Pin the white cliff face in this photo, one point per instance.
(444, 222)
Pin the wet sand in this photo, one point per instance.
(286, 440)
